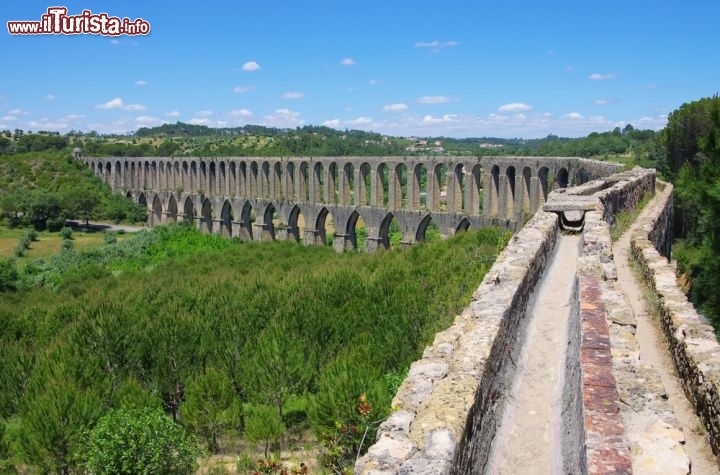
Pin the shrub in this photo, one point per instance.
(110, 238)
(8, 275)
(66, 233)
(140, 441)
(66, 245)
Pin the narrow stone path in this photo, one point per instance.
(528, 438)
(654, 352)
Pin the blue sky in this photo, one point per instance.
(454, 68)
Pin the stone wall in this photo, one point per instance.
(449, 405)
(692, 341)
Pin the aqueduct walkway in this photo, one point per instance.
(264, 198)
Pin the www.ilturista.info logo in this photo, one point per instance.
(57, 22)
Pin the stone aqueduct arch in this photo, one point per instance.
(263, 198)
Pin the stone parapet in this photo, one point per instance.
(693, 345)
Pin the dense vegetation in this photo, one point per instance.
(182, 139)
(252, 339)
(692, 139)
(46, 188)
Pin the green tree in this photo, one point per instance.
(139, 441)
(686, 126)
(82, 202)
(210, 406)
(8, 275)
(699, 187)
(43, 207)
(262, 424)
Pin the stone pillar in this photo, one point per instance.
(394, 191)
(343, 242)
(359, 188)
(375, 183)
(330, 184)
(432, 194)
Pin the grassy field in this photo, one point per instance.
(47, 243)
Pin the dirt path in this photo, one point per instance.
(528, 439)
(654, 352)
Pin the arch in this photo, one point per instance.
(162, 177)
(193, 177)
(212, 178)
(290, 180)
(172, 210)
(202, 186)
(304, 182)
(264, 185)
(544, 185)
(206, 220)
(133, 176)
(510, 174)
(233, 184)
(276, 191)
(226, 219)
(142, 200)
(475, 207)
(253, 180)
(456, 201)
(384, 233)
(317, 183)
(562, 178)
(346, 184)
(296, 224)
(117, 177)
(246, 220)
(176, 183)
(188, 210)
(420, 187)
(222, 179)
(399, 191)
(331, 183)
(156, 216)
(526, 195)
(185, 178)
(421, 231)
(154, 183)
(381, 186)
(243, 180)
(108, 174)
(268, 224)
(462, 226)
(321, 226)
(437, 194)
(355, 224)
(362, 189)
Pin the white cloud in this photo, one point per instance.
(222, 123)
(283, 118)
(172, 114)
(574, 115)
(569, 68)
(428, 119)
(435, 45)
(117, 103)
(205, 113)
(514, 107)
(242, 89)
(71, 117)
(434, 100)
(601, 77)
(8, 117)
(602, 101)
(49, 97)
(141, 82)
(331, 123)
(198, 121)
(293, 95)
(399, 107)
(18, 112)
(374, 82)
(359, 121)
(114, 42)
(240, 113)
(348, 62)
(250, 66)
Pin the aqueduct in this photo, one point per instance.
(265, 198)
